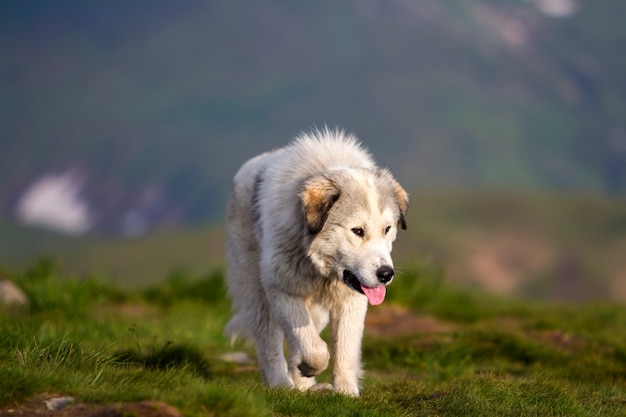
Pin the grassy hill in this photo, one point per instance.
(429, 350)
(155, 98)
(548, 246)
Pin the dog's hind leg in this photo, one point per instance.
(255, 323)
(253, 320)
(268, 339)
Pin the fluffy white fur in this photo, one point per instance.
(309, 233)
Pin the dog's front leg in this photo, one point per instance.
(308, 354)
(347, 324)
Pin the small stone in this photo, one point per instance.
(240, 358)
(11, 294)
(55, 404)
(321, 387)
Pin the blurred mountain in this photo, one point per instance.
(141, 112)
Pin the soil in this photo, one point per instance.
(42, 404)
(391, 321)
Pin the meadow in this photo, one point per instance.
(430, 349)
(549, 246)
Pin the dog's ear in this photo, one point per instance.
(402, 198)
(318, 196)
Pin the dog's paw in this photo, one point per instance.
(307, 370)
(302, 383)
(348, 388)
(279, 381)
(314, 362)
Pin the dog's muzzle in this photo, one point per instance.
(375, 295)
(352, 281)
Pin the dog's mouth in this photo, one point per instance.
(375, 295)
(352, 281)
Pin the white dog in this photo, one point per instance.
(309, 233)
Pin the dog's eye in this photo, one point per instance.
(387, 229)
(358, 231)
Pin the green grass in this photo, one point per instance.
(102, 344)
(127, 261)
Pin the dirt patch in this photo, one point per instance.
(502, 264)
(395, 321)
(560, 339)
(618, 289)
(56, 406)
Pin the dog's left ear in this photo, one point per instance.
(402, 198)
(318, 196)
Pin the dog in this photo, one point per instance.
(309, 233)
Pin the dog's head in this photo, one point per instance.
(353, 215)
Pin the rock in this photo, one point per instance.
(52, 405)
(321, 387)
(57, 403)
(11, 294)
(240, 358)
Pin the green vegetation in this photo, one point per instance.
(546, 246)
(481, 356)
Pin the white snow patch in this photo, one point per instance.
(556, 8)
(54, 202)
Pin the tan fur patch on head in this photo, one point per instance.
(318, 196)
(402, 197)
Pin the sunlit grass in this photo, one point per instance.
(497, 357)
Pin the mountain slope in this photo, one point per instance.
(155, 105)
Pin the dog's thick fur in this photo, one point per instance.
(309, 233)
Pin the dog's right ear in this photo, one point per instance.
(402, 198)
(318, 196)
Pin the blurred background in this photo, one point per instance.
(122, 124)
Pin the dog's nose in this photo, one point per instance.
(384, 274)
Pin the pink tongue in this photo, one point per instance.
(375, 295)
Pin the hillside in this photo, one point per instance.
(538, 246)
(428, 350)
(151, 106)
